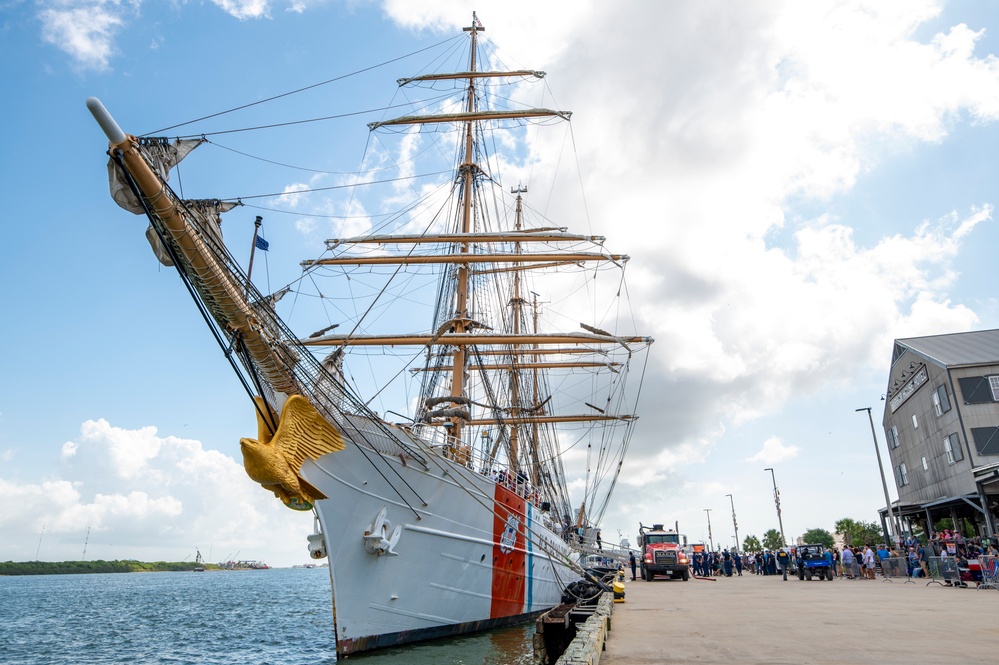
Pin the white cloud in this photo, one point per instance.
(773, 451)
(147, 497)
(247, 9)
(772, 101)
(84, 30)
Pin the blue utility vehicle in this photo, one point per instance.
(812, 562)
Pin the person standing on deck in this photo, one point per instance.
(631, 560)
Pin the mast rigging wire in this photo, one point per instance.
(308, 87)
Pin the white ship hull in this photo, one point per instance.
(449, 569)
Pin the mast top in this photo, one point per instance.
(476, 25)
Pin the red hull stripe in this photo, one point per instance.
(509, 554)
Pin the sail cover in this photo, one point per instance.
(207, 212)
(163, 155)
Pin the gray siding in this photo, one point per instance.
(940, 478)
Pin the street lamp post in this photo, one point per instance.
(735, 524)
(783, 540)
(884, 483)
(710, 541)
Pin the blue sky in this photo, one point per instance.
(797, 186)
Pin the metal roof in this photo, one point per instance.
(979, 347)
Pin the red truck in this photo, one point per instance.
(663, 553)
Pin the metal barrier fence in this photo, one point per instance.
(895, 568)
(990, 572)
(944, 571)
(850, 570)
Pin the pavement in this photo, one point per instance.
(763, 619)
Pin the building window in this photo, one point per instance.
(926, 467)
(994, 385)
(952, 446)
(892, 436)
(903, 476)
(941, 404)
(915, 423)
(986, 440)
(977, 389)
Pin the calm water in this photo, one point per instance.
(269, 616)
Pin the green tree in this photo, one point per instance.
(772, 539)
(818, 537)
(858, 532)
(751, 544)
(948, 523)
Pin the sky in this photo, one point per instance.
(797, 185)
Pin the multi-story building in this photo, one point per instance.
(941, 421)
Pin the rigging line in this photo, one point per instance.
(393, 275)
(310, 87)
(292, 123)
(629, 432)
(420, 198)
(212, 327)
(298, 168)
(332, 187)
(374, 466)
(203, 308)
(477, 496)
(310, 270)
(371, 307)
(299, 213)
(579, 175)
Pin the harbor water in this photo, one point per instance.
(277, 616)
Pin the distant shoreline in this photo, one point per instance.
(99, 566)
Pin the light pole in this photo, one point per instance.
(710, 541)
(783, 540)
(884, 483)
(735, 524)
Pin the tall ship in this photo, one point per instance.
(451, 511)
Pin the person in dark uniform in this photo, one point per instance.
(783, 561)
(633, 562)
(738, 562)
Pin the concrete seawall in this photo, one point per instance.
(588, 645)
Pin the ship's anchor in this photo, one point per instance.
(376, 538)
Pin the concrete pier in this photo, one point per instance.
(760, 619)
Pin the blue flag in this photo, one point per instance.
(261, 244)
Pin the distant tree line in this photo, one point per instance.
(854, 532)
(97, 566)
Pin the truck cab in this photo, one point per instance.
(663, 553)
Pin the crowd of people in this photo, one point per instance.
(910, 557)
(731, 562)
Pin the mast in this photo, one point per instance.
(536, 471)
(461, 318)
(515, 304)
(486, 359)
